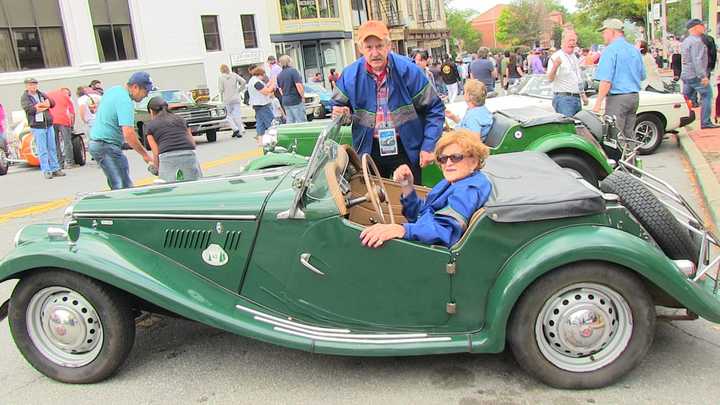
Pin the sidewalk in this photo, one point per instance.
(702, 148)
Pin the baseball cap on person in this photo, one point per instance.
(142, 79)
(373, 28)
(693, 22)
(31, 80)
(613, 24)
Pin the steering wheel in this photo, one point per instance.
(372, 183)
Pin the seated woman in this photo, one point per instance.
(172, 144)
(477, 117)
(444, 216)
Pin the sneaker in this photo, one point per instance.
(236, 134)
(48, 175)
(58, 173)
(710, 126)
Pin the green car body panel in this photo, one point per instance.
(150, 241)
(547, 138)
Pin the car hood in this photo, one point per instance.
(243, 194)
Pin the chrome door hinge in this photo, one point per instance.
(451, 268)
(451, 308)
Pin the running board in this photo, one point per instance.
(339, 335)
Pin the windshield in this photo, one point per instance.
(171, 96)
(536, 86)
(316, 88)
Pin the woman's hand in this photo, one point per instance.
(377, 234)
(404, 176)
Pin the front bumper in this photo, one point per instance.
(687, 120)
(313, 109)
(198, 128)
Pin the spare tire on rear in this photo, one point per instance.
(656, 218)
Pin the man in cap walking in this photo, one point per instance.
(620, 72)
(115, 124)
(695, 73)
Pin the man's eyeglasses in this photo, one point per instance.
(455, 158)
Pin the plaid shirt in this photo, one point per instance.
(383, 118)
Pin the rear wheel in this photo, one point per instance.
(650, 130)
(4, 164)
(70, 327)
(577, 165)
(78, 145)
(211, 135)
(582, 326)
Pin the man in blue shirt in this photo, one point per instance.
(115, 124)
(620, 72)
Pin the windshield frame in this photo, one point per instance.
(325, 149)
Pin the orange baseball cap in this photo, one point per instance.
(373, 28)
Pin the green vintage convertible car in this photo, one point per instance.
(586, 144)
(565, 275)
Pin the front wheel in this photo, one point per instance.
(4, 164)
(582, 326)
(78, 146)
(71, 328)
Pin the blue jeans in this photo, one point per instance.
(295, 113)
(263, 118)
(113, 163)
(46, 150)
(705, 92)
(566, 105)
(234, 116)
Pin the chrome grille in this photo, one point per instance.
(232, 240)
(193, 115)
(186, 239)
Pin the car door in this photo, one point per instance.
(400, 285)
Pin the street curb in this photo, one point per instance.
(706, 177)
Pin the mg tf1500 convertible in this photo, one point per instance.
(565, 275)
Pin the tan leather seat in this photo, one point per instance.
(471, 224)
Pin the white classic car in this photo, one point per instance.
(657, 114)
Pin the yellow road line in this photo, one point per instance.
(63, 202)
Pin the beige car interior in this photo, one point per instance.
(347, 163)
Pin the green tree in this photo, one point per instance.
(461, 31)
(523, 21)
(678, 15)
(587, 32)
(597, 11)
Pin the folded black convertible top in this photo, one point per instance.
(529, 186)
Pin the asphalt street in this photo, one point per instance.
(175, 361)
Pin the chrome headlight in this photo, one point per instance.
(213, 113)
(221, 112)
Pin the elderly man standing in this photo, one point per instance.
(620, 71)
(566, 77)
(397, 115)
(695, 74)
(37, 107)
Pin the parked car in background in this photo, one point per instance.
(202, 118)
(657, 114)
(325, 97)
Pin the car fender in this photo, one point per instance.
(145, 274)
(604, 244)
(275, 160)
(564, 141)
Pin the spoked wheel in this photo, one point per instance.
(373, 182)
(583, 326)
(71, 328)
(649, 130)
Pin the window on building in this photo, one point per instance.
(328, 8)
(308, 8)
(248, 28)
(289, 9)
(113, 30)
(359, 12)
(211, 31)
(411, 9)
(31, 35)
(438, 10)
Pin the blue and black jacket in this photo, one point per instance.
(418, 114)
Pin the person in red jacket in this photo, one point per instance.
(63, 117)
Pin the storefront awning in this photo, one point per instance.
(310, 36)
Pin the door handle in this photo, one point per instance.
(305, 261)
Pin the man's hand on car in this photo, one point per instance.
(338, 111)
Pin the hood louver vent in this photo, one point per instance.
(186, 239)
(232, 240)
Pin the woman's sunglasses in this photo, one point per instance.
(455, 158)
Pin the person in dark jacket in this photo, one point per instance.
(172, 144)
(36, 105)
(712, 52)
(397, 115)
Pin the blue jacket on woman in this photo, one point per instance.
(417, 112)
(443, 217)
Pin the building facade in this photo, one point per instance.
(68, 43)
(413, 24)
(316, 34)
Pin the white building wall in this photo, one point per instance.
(169, 42)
